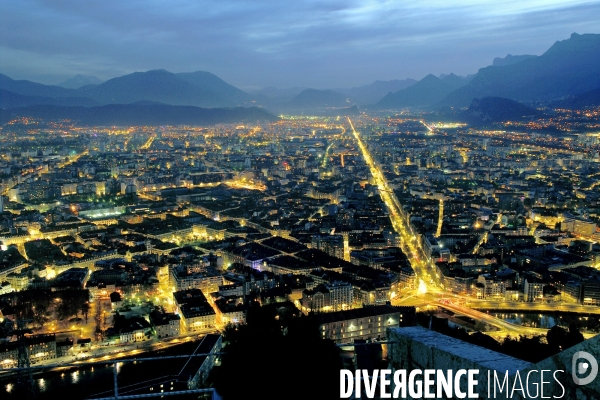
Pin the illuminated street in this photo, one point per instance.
(424, 268)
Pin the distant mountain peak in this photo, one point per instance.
(453, 79)
(510, 59)
(157, 71)
(200, 89)
(311, 98)
(151, 72)
(80, 80)
(426, 92)
(374, 92)
(575, 44)
(28, 88)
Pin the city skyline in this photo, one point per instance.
(254, 45)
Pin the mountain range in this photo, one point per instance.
(568, 68)
(509, 59)
(429, 90)
(201, 89)
(567, 73)
(583, 100)
(80, 80)
(363, 95)
(11, 100)
(311, 98)
(371, 94)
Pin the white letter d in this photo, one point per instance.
(346, 384)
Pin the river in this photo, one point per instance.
(97, 381)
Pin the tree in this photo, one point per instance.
(529, 349)
(262, 351)
(85, 309)
(40, 313)
(574, 336)
(71, 303)
(560, 339)
(481, 326)
(556, 337)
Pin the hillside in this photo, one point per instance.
(312, 98)
(11, 100)
(497, 109)
(569, 67)
(426, 92)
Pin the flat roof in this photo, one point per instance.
(369, 311)
(482, 356)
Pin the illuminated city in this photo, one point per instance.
(170, 234)
(430, 217)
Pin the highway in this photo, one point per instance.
(413, 298)
(72, 160)
(506, 328)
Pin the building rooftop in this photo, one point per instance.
(369, 311)
(479, 355)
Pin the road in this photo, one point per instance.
(148, 143)
(325, 156)
(438, 231)
(528, 306)
(245, 184)
(491, 320)
(455, 304)
(99, 353)
(464, 305)
(427, 274)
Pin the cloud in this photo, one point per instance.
(260, 42)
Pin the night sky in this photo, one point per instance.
(257, 43)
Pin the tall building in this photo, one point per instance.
(492, 286)
(194, 310)
(333, 296)
(365, 323)
(332, 245)
(533, 289)
(581, 226)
